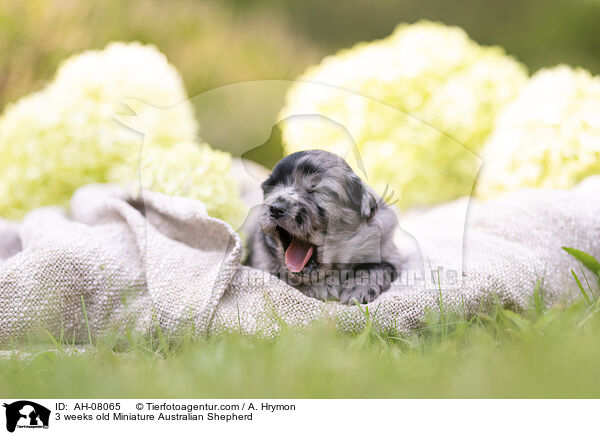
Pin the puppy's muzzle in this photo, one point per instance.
(278, 209)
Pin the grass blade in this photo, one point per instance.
(538, 298)
(87, 323)
(586, 259)
(583, 292)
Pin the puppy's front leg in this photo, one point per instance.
(367, 282)
(322, 291)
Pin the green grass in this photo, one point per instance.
(540, 353)
(550, 354)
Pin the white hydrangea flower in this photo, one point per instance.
(187, 169)
(429, 71)
(548, 136)
(133, 71)
(66, 135)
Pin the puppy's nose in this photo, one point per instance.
(278, 209)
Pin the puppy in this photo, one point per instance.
(324, 231)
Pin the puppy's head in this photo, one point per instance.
(311, 195)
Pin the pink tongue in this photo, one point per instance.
(297, 255)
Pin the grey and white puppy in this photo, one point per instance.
(324, 231)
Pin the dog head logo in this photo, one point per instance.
(26, 414)
(247, 119)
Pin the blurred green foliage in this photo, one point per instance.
(214, 43)
(536, 354)
(434, 73)
(66, 135)
(538, 32)
(210, 43)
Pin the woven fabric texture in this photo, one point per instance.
(155, 262)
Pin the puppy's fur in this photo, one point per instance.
(337, 231)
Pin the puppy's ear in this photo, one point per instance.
(362, 197)
(369, 203)
(267, 185)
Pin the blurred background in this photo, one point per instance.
(213, 43)
(216, 43)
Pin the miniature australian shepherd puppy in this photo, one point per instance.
(324, 231)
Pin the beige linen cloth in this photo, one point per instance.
(161, 263)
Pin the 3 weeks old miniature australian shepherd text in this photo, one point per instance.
(324, 231)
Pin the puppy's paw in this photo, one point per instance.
(322, 291)
(362, 292)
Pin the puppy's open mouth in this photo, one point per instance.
(297, 252)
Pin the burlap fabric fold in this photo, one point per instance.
(159, 263)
